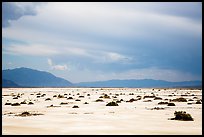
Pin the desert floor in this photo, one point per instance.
(139, 117)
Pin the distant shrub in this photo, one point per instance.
(182, 115)
(81, 96)
(47, 99)
(198, 102)
(15, 98)
(38, 96)
(77, 100)
(30, 103)
(131, 100)
(112, 104)
(70, 98)
(23, 102)
(157, 98)
(54, 96)
(60, 96)
(63, 103)
(86, 103)
(75, 106)
(179, 100)
(161, 103)
(7, 103)
(171, 104)
(99, 100)
(15, 104)
(149, 96)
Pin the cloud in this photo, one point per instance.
(56, 67)
(31, 50)
(15, 10)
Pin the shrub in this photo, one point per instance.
(47, 99)
(15, 104)
(86, 103)
(15, 98)
(77, 100)
(54, 96)
(182, 115)
(63, 103)
(131, 100)
(23, 102)
(75, 106)
(70, 98)
(149, 96)
(81, 96)
(99, 100)
(171, 104)
(30, 103)
(7, 103)
(179, 100)
(161, 103)
(198, 102)
(157, 98)
(112, 104)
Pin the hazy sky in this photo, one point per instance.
(102, 41)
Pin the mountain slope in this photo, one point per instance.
(146, 83)
(33, 78)
(8, 83)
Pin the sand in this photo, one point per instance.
(95, 118)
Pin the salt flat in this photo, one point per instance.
(138, 117)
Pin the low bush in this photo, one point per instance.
(182, 115)
(171, 104)
(112, 104)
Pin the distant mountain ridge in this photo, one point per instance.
(9, 83)
(141, 83)
(27, 77)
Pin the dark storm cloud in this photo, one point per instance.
(14, 11)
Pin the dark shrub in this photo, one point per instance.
(38, 96)
(60, 96)
(182, 115)
(7, 103)
(23, 102)
(70, 98)
(112, 104)
(63, 103)
(131, 100)
(88, 94)
(77, 100)
(54, 96)
(161, 103)
(47, 99)
(15, 104)
(171, 104)
(81, 96)
(190, 100)
(86, 103)
(179, 100)
(99, 100)
(118, 101)
(30, 103)
(75, 106)
(106, 96)
(149, 96)
(198, 102)
(189, 103)
(15, 98)
(157, 98)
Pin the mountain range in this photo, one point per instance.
(26, 77)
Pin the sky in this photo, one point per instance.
(96, 41)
